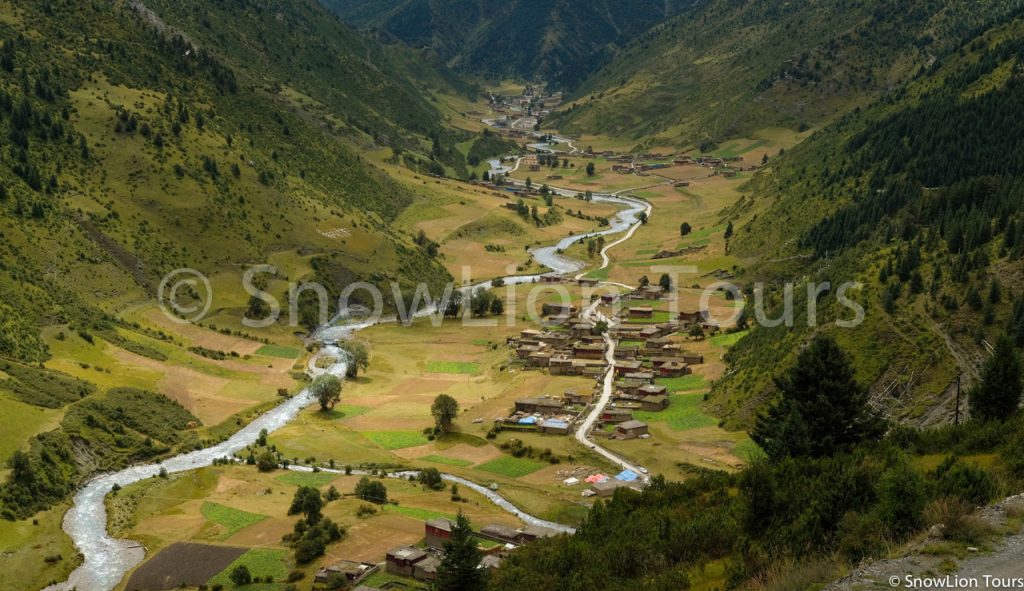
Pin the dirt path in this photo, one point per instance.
(922, 568)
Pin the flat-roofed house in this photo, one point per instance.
(426, 569)
(588, 350)
(631, 429)
(541, 405)
(616, 415)
(608, 487)
(626, 366)
(402, 560)
(674, 369)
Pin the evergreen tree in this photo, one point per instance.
(998, 395)
(459, 569)
(823, 409)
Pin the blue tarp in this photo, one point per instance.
(627, 476)
(528, 421)
(555, 423)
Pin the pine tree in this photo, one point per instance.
(459, 569)
(998, 395)
(823, 410)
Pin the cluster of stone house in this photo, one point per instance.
(547, 414)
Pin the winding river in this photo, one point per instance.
(107, 560)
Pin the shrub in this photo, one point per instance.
(955, 515)
(860, 536)
(241, 575)
(901, 499)
(974, 485)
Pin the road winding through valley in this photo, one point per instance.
(106, 560)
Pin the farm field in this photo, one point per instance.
(394, 397)
(173, 517)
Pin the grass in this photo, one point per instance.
(278, 351)
(447, 461)
(343, 411)
(21, 421)
(261, 562)
(233, 520)
(417, 512)
(396, 439)
(381, 578)
(683, 413)
(682, 383)
(748, 451)
(315, 479)
(511, 467)
(728, 339)
(455, 367)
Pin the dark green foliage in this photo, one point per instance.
(150, 414)
(119, 428)
(956, 479)
(431, 478)
(901, 497)
(240, 575)
(488, 146)
(460, 567)
(445, 410)
(43, 387)
(307, 500)
(373, 491)
(822, 410)
(311, 541)
(998, 395)
(560, 43)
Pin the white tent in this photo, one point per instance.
(571, 481)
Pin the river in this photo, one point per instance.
(107, 560)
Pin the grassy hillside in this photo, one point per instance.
(729, 68)
(917, 197)
(131, 150)
(560, 43)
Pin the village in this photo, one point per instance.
(420, 562)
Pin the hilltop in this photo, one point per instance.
(726, 69)
(560, 43)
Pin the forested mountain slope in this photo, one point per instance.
(300, 47)
(560, 42)
(131, 148)
(728, 68)
(919, 197)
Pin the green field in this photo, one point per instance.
(748, 451)
(682, 413)
(261, 562)
(682, 383)
(456, 367)
(511, 467)
(279, 351)
(417, 512)
(316, 479)
(729, 339)
(396, 439)
(233, 520)
(447, 461)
